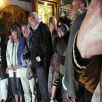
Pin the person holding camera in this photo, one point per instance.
(23, 54)
(60, 44)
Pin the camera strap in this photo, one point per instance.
(27, 46)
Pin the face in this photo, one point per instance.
(59, 23)
(58, 29)
(51, 26)
(14, 35)
(60, 33)
(76, 5)
(25, 31)
(32, 21)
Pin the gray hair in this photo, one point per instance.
(16, 29)
(34, 14)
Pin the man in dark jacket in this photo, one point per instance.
(41, 53)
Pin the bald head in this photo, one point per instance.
(85, 2)
(76, 5)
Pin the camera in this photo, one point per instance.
(27, 55)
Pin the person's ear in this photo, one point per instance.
(82, 5)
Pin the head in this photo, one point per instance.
(25, 29)
(62, 30)
(52, 23)
(33, 19)
(64, 20)
(15, 32)
(76, 5)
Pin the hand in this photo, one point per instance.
(12, 68)
(89, 39)
(69, 98)
(6, 71)
(16, 67)
(29, 63)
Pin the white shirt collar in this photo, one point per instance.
(36, 26)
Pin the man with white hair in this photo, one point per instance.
(41, 53)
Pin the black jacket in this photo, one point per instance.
(42, 46)
(3, 64)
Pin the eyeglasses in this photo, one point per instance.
(30, 19)
(58, 26)
(27, 30)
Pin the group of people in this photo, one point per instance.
(26, 59)
(60, 63)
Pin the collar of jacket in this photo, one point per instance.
(40, 23)
(30, 35)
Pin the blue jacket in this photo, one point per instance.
(22, 46)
